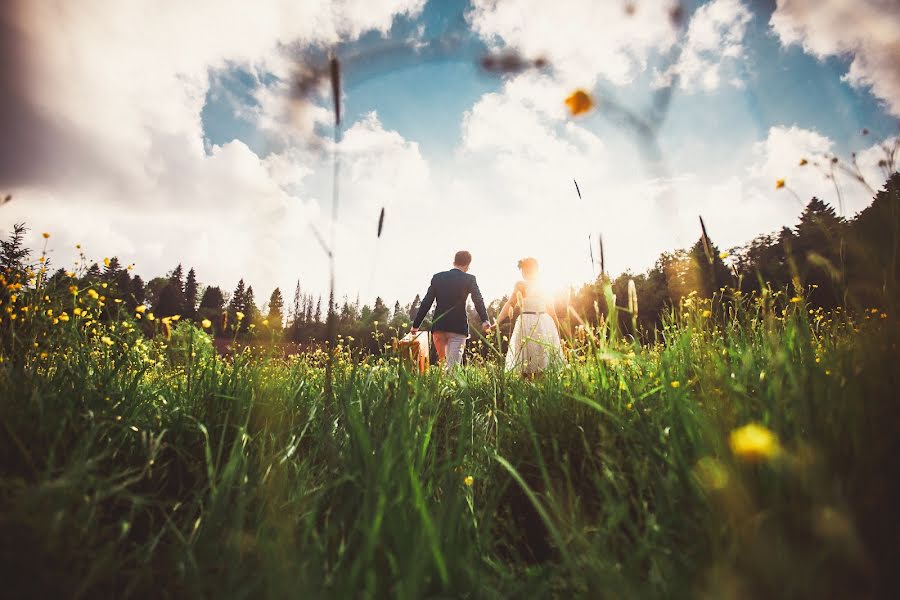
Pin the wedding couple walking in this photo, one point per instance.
(534, 345)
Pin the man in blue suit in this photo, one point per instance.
(450, 328)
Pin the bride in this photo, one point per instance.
(534, 345)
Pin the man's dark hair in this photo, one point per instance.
(463, 258)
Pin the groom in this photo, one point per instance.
(450, 328)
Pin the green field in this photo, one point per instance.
(158, 468)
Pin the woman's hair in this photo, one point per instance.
(529, 266)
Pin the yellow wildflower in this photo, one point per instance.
(150, 316)
(140, 308)
(77, 311)
(175, 317)
(73, 290)
(676, 384)
(93, 293)
(469, 481)
(106, 262)
(754, 443)
(579, 102)
(206, 323)
(105, 339)
(239, 315)
(266, 322)
(724, 255)
(796, 299)
(63, 317)
(707, 313)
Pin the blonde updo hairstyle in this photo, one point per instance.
(529, 267)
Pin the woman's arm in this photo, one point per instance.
(511, 303)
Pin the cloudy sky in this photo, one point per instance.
(166, 131)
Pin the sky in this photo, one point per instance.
(167, 132)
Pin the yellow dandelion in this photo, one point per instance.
(676, 384)
(779, 183)
(754, 443)
(469, 481)
(140, 309)
(206, 323)
(579, 102)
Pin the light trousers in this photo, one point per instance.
(450, 347)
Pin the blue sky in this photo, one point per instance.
(456, 156)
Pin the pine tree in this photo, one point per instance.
(318, 316)
(237, 303)
(380, 312)
(171, 301)
(191, 289)
(177, 277)
(136, 292)
(250, 309)
(820, 252)
(296, 307)
(414, 308)
(276, 309)
(708, 272)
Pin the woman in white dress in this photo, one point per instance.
(534, 345)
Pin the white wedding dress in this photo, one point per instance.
(534, 345)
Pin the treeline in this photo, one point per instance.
(832, 261)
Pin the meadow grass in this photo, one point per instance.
(161, 469)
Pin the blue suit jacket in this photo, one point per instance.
(451, 289)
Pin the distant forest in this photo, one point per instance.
(831, 261)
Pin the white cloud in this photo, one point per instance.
(583, 39)
(712, 47)
(866, 30)
(127, 81)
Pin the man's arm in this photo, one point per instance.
(425, 306)
(479, 303)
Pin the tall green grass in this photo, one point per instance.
(163, 470)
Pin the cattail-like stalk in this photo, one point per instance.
(632, 299)
(602, 257)
(705, 239)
